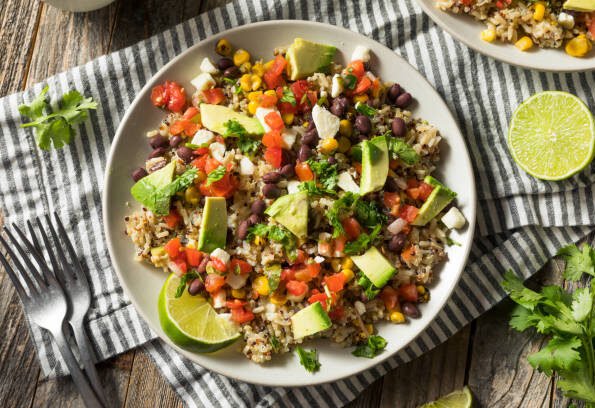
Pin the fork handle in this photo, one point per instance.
(89, 397)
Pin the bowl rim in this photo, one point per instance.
(471, 206)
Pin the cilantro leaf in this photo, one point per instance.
(185, 280)
(363, 242)
(327, 174)
(308, 358)
(216, 175)
(274, 233)
(365, 109)
(233, 128)
(578, 261)
(56, 128)
(582, 304)
(288, 96)
(558, 354)
(367, 212)
(370, 348)
(246, 144)
(399, 149)
(519, 293)
(275, 344)
(312, 189)
(370, 290)
(158, 199)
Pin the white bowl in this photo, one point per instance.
(142, 283)
(79, 5)
(466, 29)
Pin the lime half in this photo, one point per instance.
(457, 399)
(191, 322)
(552, 135)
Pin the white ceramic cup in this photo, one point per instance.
(79, 5)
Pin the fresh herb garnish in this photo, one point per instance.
(365, 109)
(216, 175)
(309, 359)
(246, 144)
(451, 242)
(569, 318)
(56, 128)
(327, 174)
(370, 348)
(370, 290)
(185, 280)
(275, 344)
(233, 128)
(274, 233)
(350, 81)
(367, 212)
(313, 189)
(157, 199)
(399, 149)
(362, 242)
(288, 96)
(229, 80)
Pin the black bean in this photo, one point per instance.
(185, 154)
(254, 219)
(243, 230)
(409, 309)
(393, 92)
(271, 191)
(363, 124)
(175, 141)
(158, 141)
(304, 153)
(139, 174)
(258, 207)
(272, 178)
(403, 100)
(287, 171)
(310, 138)
(232, 72)
(196, 286)
(391, 185)
(331, 160)
(202, 267)
(160, 151)
(339, 106)
(398, 127)
(224, 63)
(397, 242)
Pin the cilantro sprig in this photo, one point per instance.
(362, 242)
(366, 212)
(55, 128)
(185, 280)
(308, 358)
(246, 144)
(288, 96)
(275, 233)
(371, 348)
(399, 149)
(327, 174)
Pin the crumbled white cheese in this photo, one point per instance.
(326, 123)
(218, 151)
(566, 20)
(246, 166)
(346, 183)
(318, 259)
(337, 85)
(221, 255)
(219, 299)
(288, 136)
(203, 137)
(207, 66)
(261, 113)
(203, 81)
(235, 280)
(292, 186)
(454, 219)
(359, 307)
(361, 53)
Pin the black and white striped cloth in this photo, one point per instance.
(521, 220)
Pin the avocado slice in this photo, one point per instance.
(145, 190)
(440, 197)
(305, 58)
(213, 227)
(374, 164)
(214, 118)
(375, 266)
(291, 211)
(310, 320)
(580, 5)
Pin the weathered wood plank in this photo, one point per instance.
(371, 396)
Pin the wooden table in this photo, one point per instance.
(38, 41)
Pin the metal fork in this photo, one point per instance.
(44, 300)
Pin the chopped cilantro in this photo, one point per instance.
(275, 344)
(327, 174)
(246, 144)
(274, 233)
(370, 290)
(216, 175)
(370, 348)
(313, 189)
(366, 212)
(288, 96)
(363, 241)
(308, 358)
(399, 149)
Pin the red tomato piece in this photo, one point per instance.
(267, 101)
(413, 193)
(339, 244)
(391, 200)
(172, 219)
(241, 315)
(272, 139)
(235, 304)
(335, 282)
(337, 313)
(425, 190)
(351, 227)
(240, 266)
(303, 171)
(159, 96)
(182, 265)
(221, 188)
(193, 256)
(362, 85)
(409, 213)
(211, 164)
(273, 156)
(300, 257)
(356, 68)
(296, 288)
(412, 182)
(408, 292)
(273, 119)
(273, 76)
(218, 264)
(302, 275)
(176, 96)
(592, 25)
(287, 274)
(389, 297)
(213, 96)
(173, 248)
(191, 114)
(214, 282)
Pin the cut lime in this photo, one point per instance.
(191, 322)
(456, 399)
(552, 135)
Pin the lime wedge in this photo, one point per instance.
(456, 399)
(552, 135)
(191, 322)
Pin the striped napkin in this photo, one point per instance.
(521, 220)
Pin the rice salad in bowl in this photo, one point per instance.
(290, 199)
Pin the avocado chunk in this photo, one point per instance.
(305, 58)
(214, 118)
(213, 227)
(375, 266)
(439, 198)
(310, 320)
(374, 164)
(580, 5)
(145, 191)
(291, 211)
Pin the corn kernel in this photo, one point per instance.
(258, 69)
(345, 128)
(539, 11)
(328, 146)
(238, 293)
(360, 98)
(336, 265)
(245, 68)
(258, 241)
(256, 82)
(267, 65)
(397, 317)
(376, 91)
(253, 96)
(278, 299)
(270, 92)
(261, 285)
(245, 83)
(578, 46)
(240, 56)
(288, 118)
(223, 47)
(349, 275)
(306, 124)
(192, 195)
(421, 290)
(370, 328)
(347, 263)
(344, 144)
(524, 44)
(252, 106)
(488, 35)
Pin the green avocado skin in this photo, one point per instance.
(440, 197)
(213, 227)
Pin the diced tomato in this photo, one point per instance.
(356, 68)
(392, 201)
(158, 96)
(200, 162)
(409, 213)
(286, 107)
(339, 245)
(193, 256)
(273, 119)
(177, 127)
(362, 85)
(273, 156)
(337, 313)
(172, 219)
(592, 25)
(314, 268)
(184, 125)
(272, 138)
(389, 297)
(467, 2)
(351, 227)
(239, 265)
(307, 272)
(213, 96)
(221, 188)
(424, 191)
(408, 292)
(287, 274)
(300, 257)
(182, 265)
(235, 304)
(191, 114)
(211, 164)
(267, 101)
(173, 248)
(413, 193)
(296, 288)
(335, 282)
(299, 89)
(241, 315)
(191, 128)
(412, 182)
(321, 297)
(303, 171)
(358, 167)
(407, 254)
(273, 76)
(169, 95)
(214, 282)
(218, 264)
(302, 275)
(201, 151)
